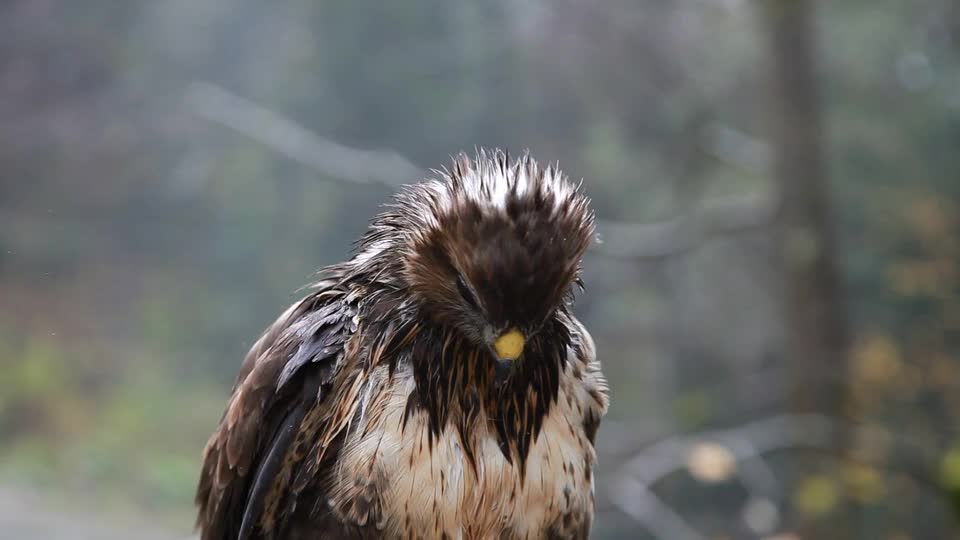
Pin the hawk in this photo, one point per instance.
(434, 385)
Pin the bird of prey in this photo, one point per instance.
(434, 385)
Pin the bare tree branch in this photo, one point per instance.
(636, 500)
(279, 133)
(744, 442)
(747, 444)
(652, 241)
(631, 490)
(681, 235)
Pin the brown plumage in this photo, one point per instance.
(435, 385)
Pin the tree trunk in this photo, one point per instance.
(817, 326)
(816, 323)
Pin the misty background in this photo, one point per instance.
(774, 292)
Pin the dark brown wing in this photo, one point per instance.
(283, 376)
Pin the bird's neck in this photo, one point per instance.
(458, 384)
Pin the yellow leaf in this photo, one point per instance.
(929, 218)
(944, 373)
(864, 483)
(876, 359)
(922, 277)
(871, 443)
(711, 463)
(816, 495)
(950, 469)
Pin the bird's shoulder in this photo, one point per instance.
(584, 378)
(290, 368)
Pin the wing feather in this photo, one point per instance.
(281, 378)
(274, 457)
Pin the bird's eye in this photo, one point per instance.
(466, 293)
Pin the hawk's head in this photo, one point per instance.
(495, 248)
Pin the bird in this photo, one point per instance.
(436, 384)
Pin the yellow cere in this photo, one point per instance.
(509, 345)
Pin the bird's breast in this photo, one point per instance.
(433, 488)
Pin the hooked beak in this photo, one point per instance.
(509, 345)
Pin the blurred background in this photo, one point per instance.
(774, 293)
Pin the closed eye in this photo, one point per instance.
(467, 294)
